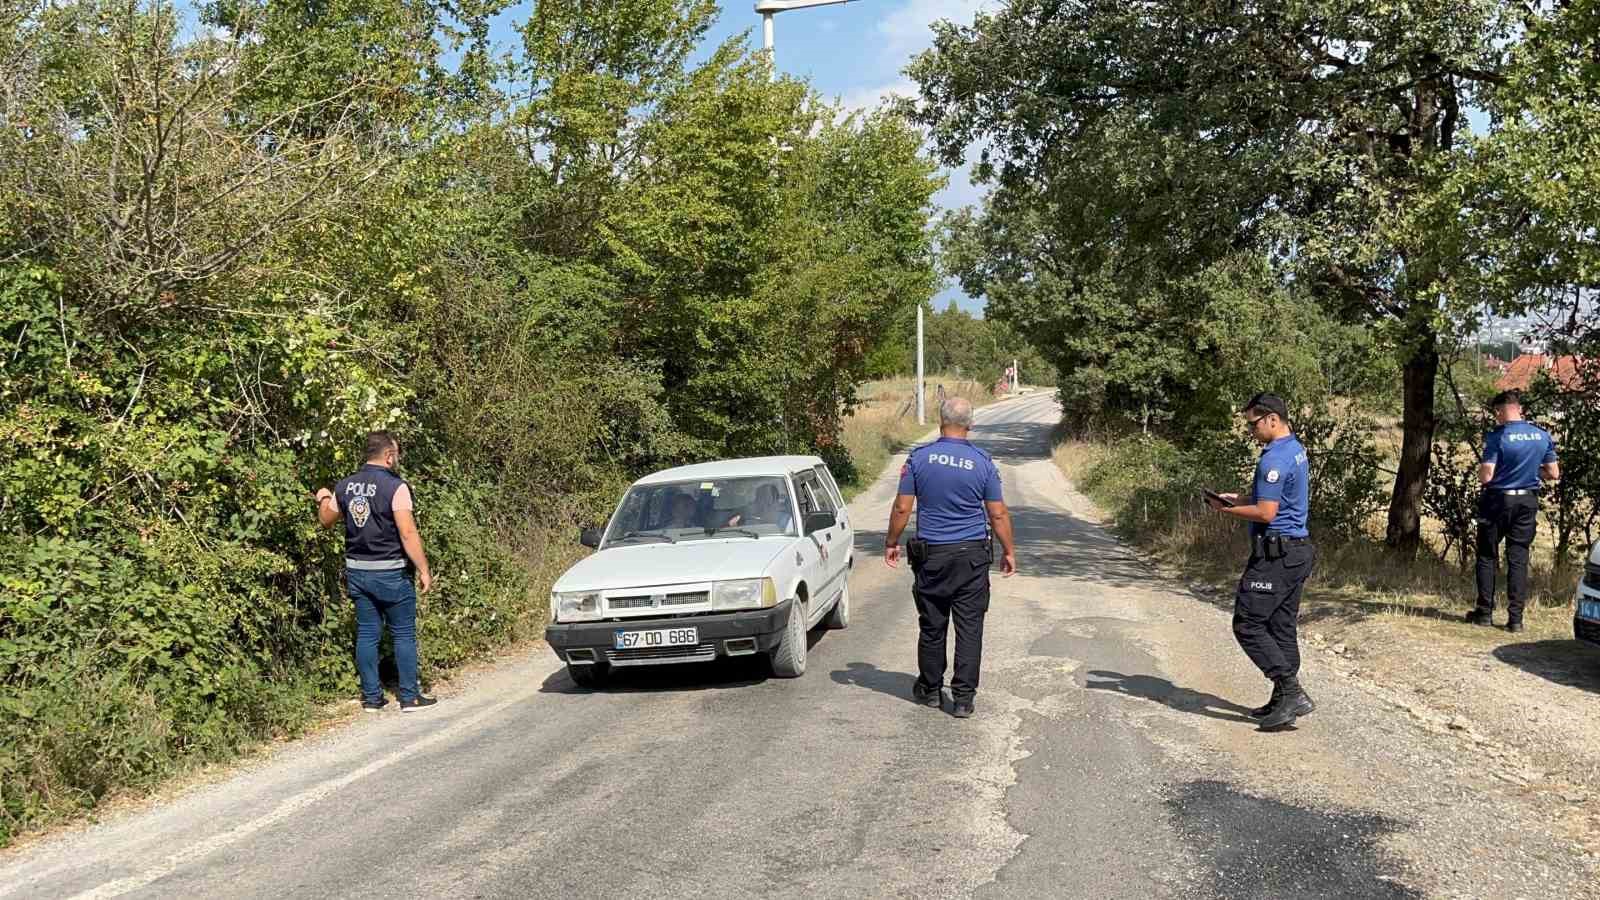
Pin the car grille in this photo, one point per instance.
(645, 657)
(648, 601)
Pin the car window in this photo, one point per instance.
(705, 509)
(811, 494)
(833, 487)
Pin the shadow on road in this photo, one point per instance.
(1164, 692)
(869, 676)
(1572, 663)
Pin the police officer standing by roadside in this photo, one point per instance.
(1266, 607)
(382, 552)
(955, 489)
(1516, 455)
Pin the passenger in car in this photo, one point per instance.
(766, 509)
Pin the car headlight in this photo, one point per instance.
(747, 593)
(576, 606)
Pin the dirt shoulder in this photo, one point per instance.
(1515, 715)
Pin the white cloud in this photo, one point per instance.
(907, 30)
(869, 98)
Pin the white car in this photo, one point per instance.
(731, 558)
(1586, 618)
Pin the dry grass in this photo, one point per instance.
(886, 422)
(1355, 581)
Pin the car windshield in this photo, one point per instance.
(708, 509)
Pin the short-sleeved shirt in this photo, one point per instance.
(951, 480)
(1517, 450)
(1283, 473)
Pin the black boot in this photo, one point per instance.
(1480, 616)
(1293, 703)
(1277, 693)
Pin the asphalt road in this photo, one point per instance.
(1109, 757)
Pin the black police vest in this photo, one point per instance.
(371, 537)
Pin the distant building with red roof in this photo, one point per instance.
(1521, 372)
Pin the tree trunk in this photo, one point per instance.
(1417, 422)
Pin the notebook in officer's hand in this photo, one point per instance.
(1213, 495)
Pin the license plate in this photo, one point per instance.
(657, 637)
(1589, 609)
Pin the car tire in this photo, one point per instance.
(839, 616)
(590, 675)
(788, 659)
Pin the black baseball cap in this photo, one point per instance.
(1271, 403)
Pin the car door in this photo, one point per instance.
(843, 540)
(832, 543)
(808, 552)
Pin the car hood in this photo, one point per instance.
(647, 565)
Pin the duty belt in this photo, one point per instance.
(374, 565)
(958, 545)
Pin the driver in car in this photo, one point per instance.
(680, 512)
(766, 509)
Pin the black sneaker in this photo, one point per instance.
(420, 702)
(373, 705)
(1261, 711)
(1292, 705)
(1515, 627)
(963, 709)
(933, 698)
(1480, 617)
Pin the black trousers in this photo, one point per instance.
(1266, 609)
(1513, 520)
(951, 584)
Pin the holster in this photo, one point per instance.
(917, 551)
(1272, 546)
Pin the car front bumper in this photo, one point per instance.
(743, 633)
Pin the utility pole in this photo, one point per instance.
(770, 8)
(1016, 375)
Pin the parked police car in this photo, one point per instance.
(1586, 620)
(731, 558)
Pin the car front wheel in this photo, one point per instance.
(789, 657)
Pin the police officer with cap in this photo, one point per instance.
(1516, 455)
(1266, 607)
(382, 551)
(955, 489)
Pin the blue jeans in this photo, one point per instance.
(384, 597)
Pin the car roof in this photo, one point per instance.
(733, 468)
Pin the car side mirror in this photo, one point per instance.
(818, 521)
(590, 537)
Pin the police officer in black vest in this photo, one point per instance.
(955, 490)
(383, 552)
(1516, 455)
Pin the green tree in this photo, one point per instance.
(1130, 145)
